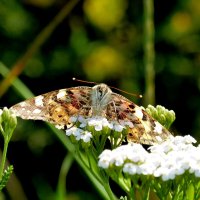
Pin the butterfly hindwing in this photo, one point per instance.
(145, 130)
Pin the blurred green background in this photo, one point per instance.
(100, 41)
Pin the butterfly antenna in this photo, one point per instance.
(90, 82)
(82, 81)
(129, 93)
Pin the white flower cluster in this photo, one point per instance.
(79, 134)
(166, 160)
(99, 122)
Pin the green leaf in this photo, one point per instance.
(6, 175)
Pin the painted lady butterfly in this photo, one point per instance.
(58, 106)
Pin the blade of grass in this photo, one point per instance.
(17, 84)
(36, 44)
(61, 187)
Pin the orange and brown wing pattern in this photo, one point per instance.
(58, 106)
(145, 130)
(55, 107)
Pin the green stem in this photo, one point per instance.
(109, 191)
(100, 178)
(149, 52)
(88, 167)
(3, 161)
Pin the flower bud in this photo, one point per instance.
(8, 122)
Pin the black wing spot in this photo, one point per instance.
(145, 116)
(82, 102)
(131, 106)
(127, 111)
(69, 92)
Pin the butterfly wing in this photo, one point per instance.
(145, 130)
(56, 107)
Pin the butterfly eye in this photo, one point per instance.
(100, 91)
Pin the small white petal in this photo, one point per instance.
(73, 119)
(130, 168)
(98, 127)
(118, 127)
(105, 123)
(105, 153)
(81, 119)
(104, 159)
(129, 124)
(103, 163)
(82, 125)
(179, 170)
(70, 131)
(86, 137)
(197, 173)
(189, 139)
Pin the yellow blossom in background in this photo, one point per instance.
(181, 22)
(179, 25)
(194, 7)
(103, 62)
(105, 14)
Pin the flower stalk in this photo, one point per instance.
(8, 123)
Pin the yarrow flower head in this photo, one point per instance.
(167, 160)
(79, 134)
(97, 130)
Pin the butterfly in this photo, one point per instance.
(57, 107)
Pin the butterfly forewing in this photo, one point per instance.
(55, 107)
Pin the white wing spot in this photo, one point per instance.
(37, 111)
(159, 139)
(39, 101)
(59, 126)
(158, 128)
(61, 94)
(23, 104)
(138, 113)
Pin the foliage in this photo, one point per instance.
(5, 177)
(97, 44)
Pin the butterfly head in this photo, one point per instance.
(100, 96)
